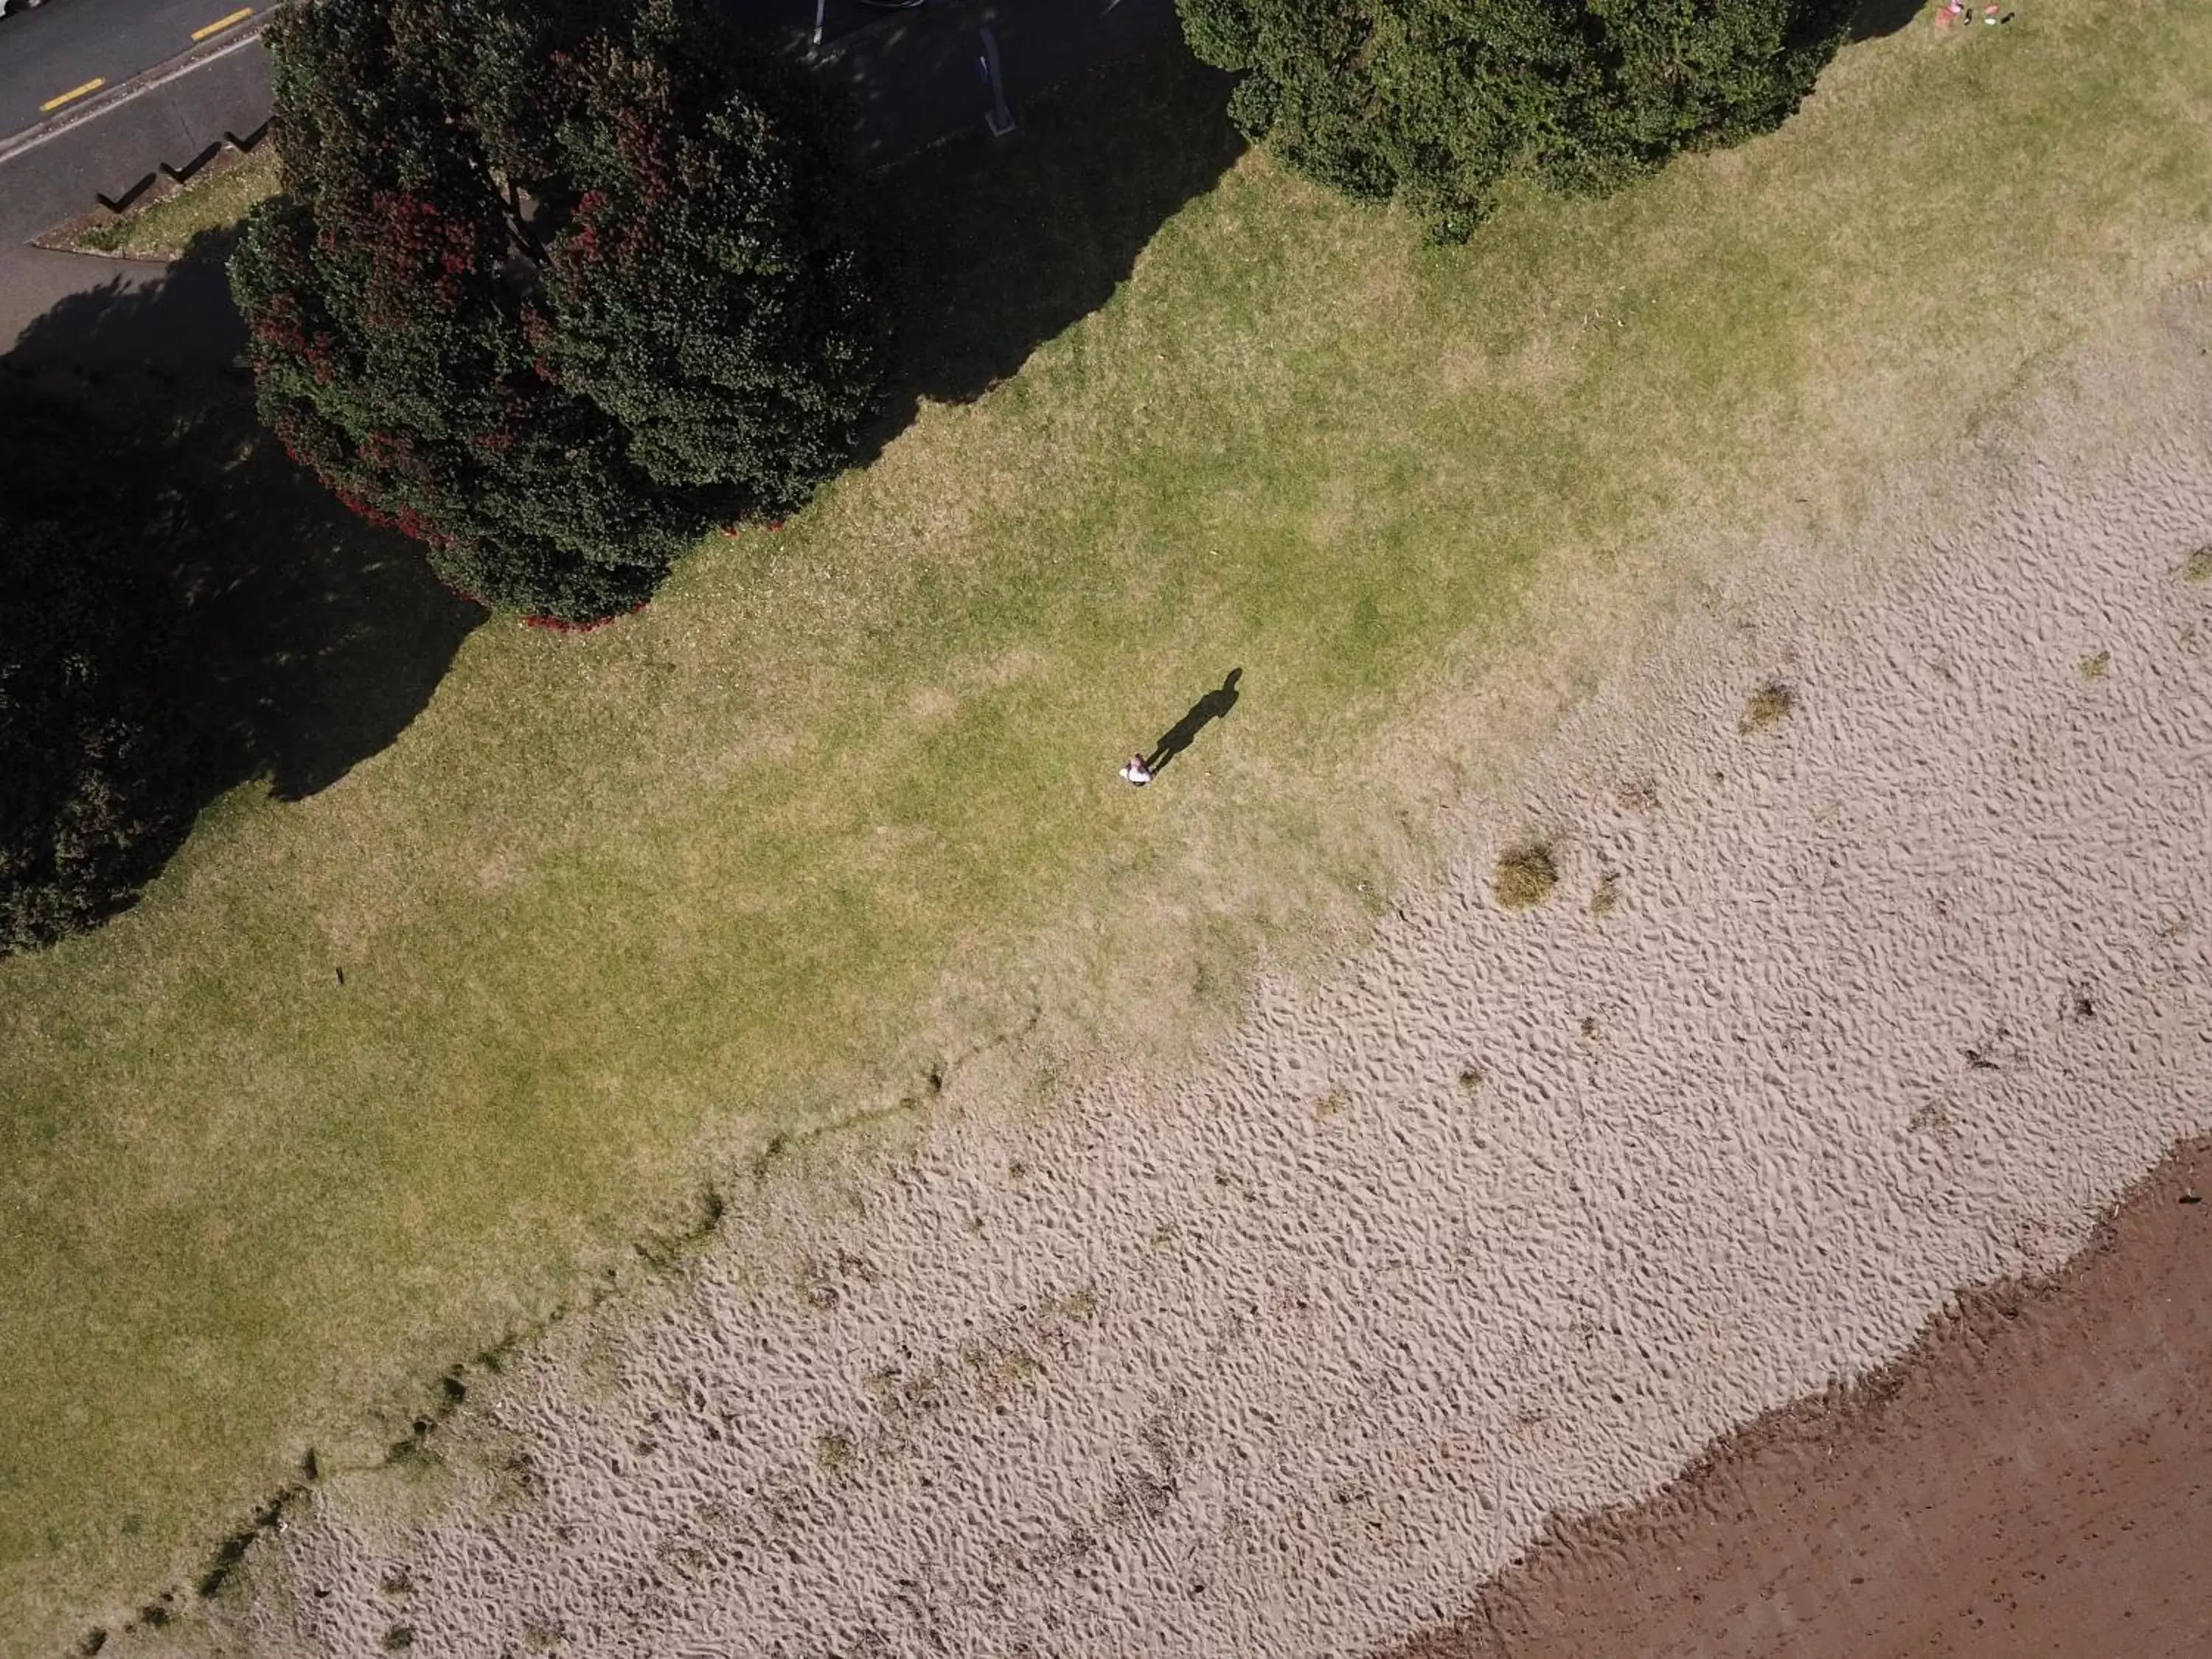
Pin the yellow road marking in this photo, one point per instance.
(93, 85)
(222, 23)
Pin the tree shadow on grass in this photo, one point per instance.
(302, 641)
(293, 640)
(1875, 18)
(1001, 245)
(322, 636)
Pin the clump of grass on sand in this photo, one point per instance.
(842, 801)
(2096, 666)
(1524, 876)
(1769, 706)
(1607, 898)
(1081, 1303)
(2197, 567)
(163, 226)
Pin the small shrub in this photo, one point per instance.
(833, 1450)
(1769, 706)
(1080, 1303)
(1525, 876)
(2197, 567)
(1016, 1368)
(2095, 666)
(1606, 896)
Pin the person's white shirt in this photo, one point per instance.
(1137, 772)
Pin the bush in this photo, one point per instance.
(554, 287)
(1439, 102)
(1771, 704)
(88, 805)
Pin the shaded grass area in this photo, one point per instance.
(254, 630)
(369, 1079)
(163, 227)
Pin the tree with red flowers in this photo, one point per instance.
(554, 285)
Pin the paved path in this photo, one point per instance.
(76, 311)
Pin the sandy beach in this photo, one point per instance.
(1879, 966)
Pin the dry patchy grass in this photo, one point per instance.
(163, 226)
(1769, 706)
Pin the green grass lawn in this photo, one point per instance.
(163, 228)
(841, 807)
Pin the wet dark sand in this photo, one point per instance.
(2033, 1478)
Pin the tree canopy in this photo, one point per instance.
(554, 286)
(1437, 102)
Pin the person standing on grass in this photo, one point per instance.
(1137, 772)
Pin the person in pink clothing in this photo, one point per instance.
(1137, 772)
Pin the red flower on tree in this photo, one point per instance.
(557, 347)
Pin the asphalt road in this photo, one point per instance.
(65, 46)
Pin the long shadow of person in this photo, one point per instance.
(1214, 706)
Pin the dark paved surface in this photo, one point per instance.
(65, 43)
(78, 312)
(113, 149)
(790, 23)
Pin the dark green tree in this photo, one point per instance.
(89, 803)
(1437, 102)
(553, 286)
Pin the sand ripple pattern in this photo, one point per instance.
(1515, 1217)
